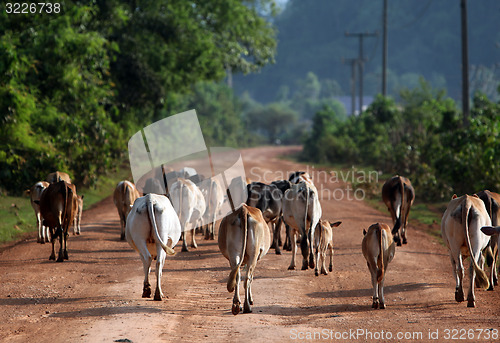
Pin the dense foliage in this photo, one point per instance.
(75, 85)
(423, 138)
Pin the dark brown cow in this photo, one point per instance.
(492, 202)
(58, 206)
(398, 195)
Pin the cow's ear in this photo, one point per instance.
(475, 196)
(364, 232)
(335, 224)
(454, 196)
(36, 202)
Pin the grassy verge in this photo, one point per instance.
(18, 217)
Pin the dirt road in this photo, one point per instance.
(95, 296)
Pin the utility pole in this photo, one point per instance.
(384, 51)
(353, 62)
(465, 64)
(361, 61)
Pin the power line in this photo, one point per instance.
(361, 61)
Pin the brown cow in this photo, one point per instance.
(492, 202)
(35, 193)
(323, 240)
(378, 250)
(398, 195)
(244, 238)
(58, 176)
(124, 196)
(58, 205)
(460, 229)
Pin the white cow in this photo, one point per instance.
(214, 199)
(302, 212)
(153, 229)
(460, 228)
(378, 249)
(244, 239)
(189, 204)
(35, 193)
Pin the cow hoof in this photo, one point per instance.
(375, 305)
(42, 242)
(66, 255)
(247, 309)
(146, 292)
(122, 237)
(278, 251)
(398, 243)
(158, 296)
(491, 288)
(60, 259)
(459, 296)
(291, 268)
(316, 273)
(471, 303)
(273, 246)
(304, 266)
(52, 257)
(212, 237)
(324, 272)
(236, 309)
(330, 268)
(194, 246)
(382, 306)
(405, 241)
(184, 249)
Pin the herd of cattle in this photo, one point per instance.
(154, 223)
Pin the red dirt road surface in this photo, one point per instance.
(95, 296)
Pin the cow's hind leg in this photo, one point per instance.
(373, 272)
(381, 295)
(60, 256)
(236, 299)
(146, 264)
(65, 252)
(330, 267)
(160, 260)
(248, 288)
(184, 244)
(293, 243)
(53, 240)
(304, 248)
(122, 227)
(458, 273)
(288, 238)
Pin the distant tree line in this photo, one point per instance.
(75, 85)
(422, 137)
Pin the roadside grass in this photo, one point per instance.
(427, 215)
(18, 218)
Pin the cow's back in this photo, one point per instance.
(58, 176)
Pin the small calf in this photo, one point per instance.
(323, 240)
(378, 250)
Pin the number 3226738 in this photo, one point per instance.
(32, 8)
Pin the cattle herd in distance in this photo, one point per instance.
(154, 223)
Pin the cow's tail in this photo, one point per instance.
(380, 258)
(231, 282)
(152, 219)
(63, 218)
(399, 218)
(481, 278)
